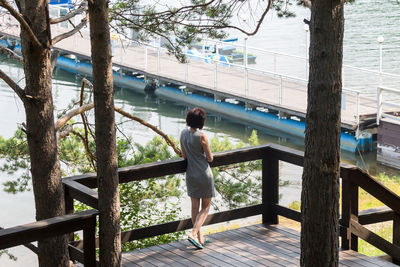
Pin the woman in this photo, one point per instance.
(199, 178)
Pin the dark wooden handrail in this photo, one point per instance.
(174, 166)
(85, 220)
(376, 188)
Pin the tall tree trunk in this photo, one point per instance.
(320, 192)
(45, 166)
(107, 174)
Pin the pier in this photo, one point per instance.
(264, 98)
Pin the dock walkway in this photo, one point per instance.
(273, 91)
(256, 245)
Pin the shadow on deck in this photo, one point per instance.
(256, 245)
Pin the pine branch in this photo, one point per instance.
(12, 54)
(70, 33)
(53, 59)
(181, 17)
(86, 127)
(154, 128)
(92, 158)
(18, 16)
(65, 132)
(17, 89)
(306, 3)
(70, 14)
(63, 120)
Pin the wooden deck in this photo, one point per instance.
(265, 89)
(256, 245)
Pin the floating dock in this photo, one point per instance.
(247, 95)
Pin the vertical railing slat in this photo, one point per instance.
(349, 210)
(69, 209)
(89, 243)
(270, 188)
(396, 233)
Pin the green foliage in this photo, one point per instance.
(148, 203)
(155, 150)
(367, 201)
(14, 151)
(384, 230)
(10, 256)
(386, 179)
(73, 154)
(237, 184)
(282, 8)
(183, 23)
(295, 205)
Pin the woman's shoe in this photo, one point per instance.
(195, 243)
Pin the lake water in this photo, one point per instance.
(365, 21)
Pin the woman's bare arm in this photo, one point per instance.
(206, 147)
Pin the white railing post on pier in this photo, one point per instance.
(306, 28)
(215, 73)
(379, 105)
(357, 113)
(145, 57)
(121, 50)
(158, 59)
(246, 71)
(380, 41)
(280, 90)
(186, 65)
(216, 60)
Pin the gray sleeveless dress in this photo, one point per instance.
(199, 178)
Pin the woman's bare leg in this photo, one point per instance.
(194, 211)
(195, 208)
(201, 217)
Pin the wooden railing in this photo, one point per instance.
(351, 222)
(85, 220)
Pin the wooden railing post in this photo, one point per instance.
(396, 233)
(89, 243)
(69, 209)
(270, 188)
(349, 211)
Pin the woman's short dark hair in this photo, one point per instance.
(196, 117)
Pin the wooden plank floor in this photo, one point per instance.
(263, 88)
(255, 245)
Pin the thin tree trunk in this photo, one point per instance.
(107, 175)
(320, 192)
(45, 166)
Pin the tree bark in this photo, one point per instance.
(320, 192)
(107, 175)
(45, 166)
